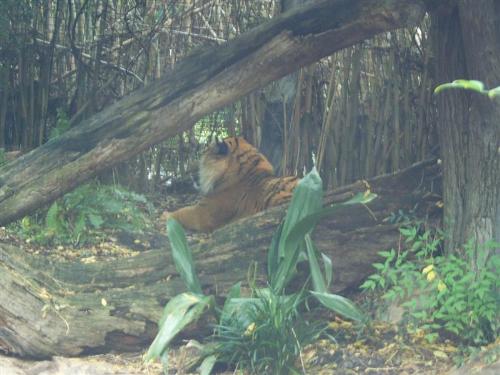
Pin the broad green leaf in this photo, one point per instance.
(327, 263)
(319, 284)
(180, 311)
(164, 361)
(340, 305)
(465, 84)
(493, 93)
(234, 292)
(297, 232)
(307, 222)
(307, 198)
(241, 310)
(273, 253)
(368, 284)
(207, 365)
(286, 270)
(470, 84)
(443, 87)
(385, 254)
(183, 259)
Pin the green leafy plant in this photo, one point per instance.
(263, 333)
(441, 293)
(80, 217)
(471, 85)
(184, 308)
(62, 124)
(3, 159)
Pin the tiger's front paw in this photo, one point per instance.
(164, 217)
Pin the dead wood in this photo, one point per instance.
(61, 308)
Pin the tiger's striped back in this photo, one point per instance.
(236, 181)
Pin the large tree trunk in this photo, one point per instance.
(51, 307)
(467, 45)
(203, 82)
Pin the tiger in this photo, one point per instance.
(235, 181)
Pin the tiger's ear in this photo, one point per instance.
(222, 148)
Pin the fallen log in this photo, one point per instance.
(50, 307)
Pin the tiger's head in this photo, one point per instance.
(231, 161)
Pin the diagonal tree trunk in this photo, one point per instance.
(61, 308)
(203, 82)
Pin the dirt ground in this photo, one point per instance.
(382, 350)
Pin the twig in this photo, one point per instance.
(87, 56)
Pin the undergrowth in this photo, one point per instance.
(85, 215)
(443, 295)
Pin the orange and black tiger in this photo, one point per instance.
(236, 180)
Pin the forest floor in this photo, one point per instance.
(382, 351)
(383, 348)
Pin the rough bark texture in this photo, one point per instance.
(467, 45)
(203, 82)
(56, 308)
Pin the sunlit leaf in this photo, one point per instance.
(302, 224)
(164, 361)
(307, 198)
(207, 365)
(319, 284)
(465, 84)
(328, 266)
(273, 258)
(183, 259)
(493, 93)
(180, 311)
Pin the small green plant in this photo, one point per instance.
(62, 124)
(80, 217)
(441, 293)
(263, 333)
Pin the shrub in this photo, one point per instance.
(441, 293)
(266, 334)
(80, 217)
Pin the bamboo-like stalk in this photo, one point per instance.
(396, 135)
(327, 115)
(4, 94)
(93, 51)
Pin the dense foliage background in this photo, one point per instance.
(364, 111)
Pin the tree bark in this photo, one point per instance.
(60, 308)
(203, 82)
(467, 45)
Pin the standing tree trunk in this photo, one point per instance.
(467, 45)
